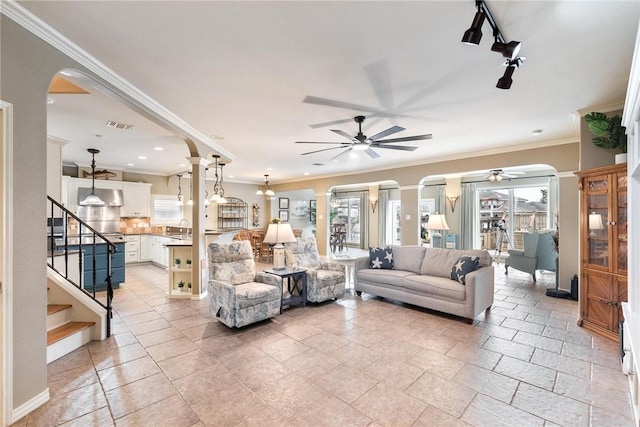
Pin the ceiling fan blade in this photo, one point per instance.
(394, 147)
(343, 133)
(372, 153)
(390, 131)
(318, 151)
(406, 138)
(335, 158)
(331, 123)
(338, 104)
(321, 142)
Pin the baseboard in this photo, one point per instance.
(29, 406)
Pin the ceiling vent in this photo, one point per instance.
(119, 125)
(317, 164)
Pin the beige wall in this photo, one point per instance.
(27, 66)
(54, 169)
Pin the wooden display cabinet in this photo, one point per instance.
(603, 247)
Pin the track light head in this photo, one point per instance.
(474, 34)
(505, 81)
(508, 50)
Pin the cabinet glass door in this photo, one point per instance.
(598, 219)
(621, 222)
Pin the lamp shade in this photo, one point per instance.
(437, 222)
(279, 233)
(595, 221)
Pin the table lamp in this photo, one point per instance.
(595, 223)
(278, 234)
(436, 223)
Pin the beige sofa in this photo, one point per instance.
(421, 277)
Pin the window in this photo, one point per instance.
(166, 210)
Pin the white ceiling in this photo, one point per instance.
(241, 70)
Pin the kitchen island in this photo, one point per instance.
(97, 253)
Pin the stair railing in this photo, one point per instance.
(60, 243)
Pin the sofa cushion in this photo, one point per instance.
(377, 276)
(436, 287)
(463, 266)
(408, 258)
(381, 258)
(438, 262)
(254, 293)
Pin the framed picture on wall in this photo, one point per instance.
(283, 203)
(284, 215)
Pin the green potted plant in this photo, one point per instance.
(177, 262)
(608, 133)
(188, 263)
(180, 285)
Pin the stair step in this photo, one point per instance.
(66, 330)
(54, 308)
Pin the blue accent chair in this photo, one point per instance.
(539, 254)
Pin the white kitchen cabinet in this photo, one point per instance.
(132, 248)
(146, 253)
(137, 199)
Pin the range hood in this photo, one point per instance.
(110, 197)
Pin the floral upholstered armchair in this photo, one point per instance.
(238, 295)
(325, 280)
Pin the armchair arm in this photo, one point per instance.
(334, 266)
(222, 301)
(515, 252)
(269, 279)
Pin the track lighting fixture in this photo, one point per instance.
(474, 34)
(505, 81)
(508, 50)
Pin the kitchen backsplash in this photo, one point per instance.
(139, 226)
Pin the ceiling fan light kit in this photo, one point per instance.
(508, 50)
(360, 142)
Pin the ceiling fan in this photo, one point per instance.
(361, 142)
(499, 175)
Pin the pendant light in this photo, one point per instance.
(179, 203)
(334, 200)
(221, 198)
(92, 199)
(217, 186)
(190, 202)
(268, 191)
(206, 193)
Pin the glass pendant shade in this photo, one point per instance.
(334, 200)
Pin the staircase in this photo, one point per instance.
(76, 312)
(63, 334)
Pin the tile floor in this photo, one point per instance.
(352, 362)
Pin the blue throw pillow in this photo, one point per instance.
(464, 266)
(381, 258)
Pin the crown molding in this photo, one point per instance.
(113, 82)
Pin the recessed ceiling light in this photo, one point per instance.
(232, 176)
(50, 100)
(536, 132)
(306, 173)
(118, 125)
(130, 164)
(158, 148)
(269, 169)
(142, 157)
(182, 165)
